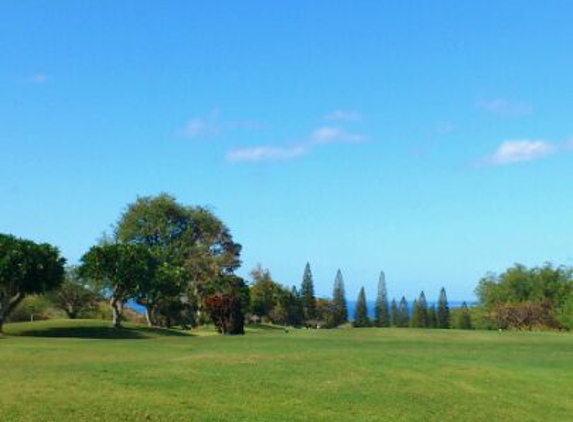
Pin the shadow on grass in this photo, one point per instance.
(101, 332)
(267, 327)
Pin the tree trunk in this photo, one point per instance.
(116, 309)
(3, 308)
(148, 315)
(7, 304)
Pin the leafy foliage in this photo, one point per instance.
(464, 319)
(226, 303)
(123, 270)
(528, 298)
(26, 268)
(73, 296)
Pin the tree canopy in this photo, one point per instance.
(26, 268)
(122, 270)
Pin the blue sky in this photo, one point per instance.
(429, 139)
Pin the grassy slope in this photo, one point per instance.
(270, 375)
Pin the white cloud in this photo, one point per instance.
(505, 107)
(199, 127)
(515, 151)
(327, 135)
(211, 124)
(344, 116)
(37, 78)
(321, 136)
(265, 153)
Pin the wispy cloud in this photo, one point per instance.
(265, 153)
(344, 116)
(515, 151)
(198, 127)
(212, 124)
(505, 107)
(319, 137)
(37, 78)
(329, 134)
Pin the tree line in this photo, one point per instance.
(526, 298)
(273, 302)
(179, 264)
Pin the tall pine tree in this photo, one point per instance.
(394, 315)
(443, 311)
(403, 313)
(361, 311)
(339, 306)
(298, 305)
(381, 311)
(432, 317)
(307, 296)
(420, 312)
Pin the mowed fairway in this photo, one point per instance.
(270, 375)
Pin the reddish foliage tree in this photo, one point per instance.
(225, 312)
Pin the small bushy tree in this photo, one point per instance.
(263, 292)
(73, 296)
(464, 320)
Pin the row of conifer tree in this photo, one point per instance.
(334, 312)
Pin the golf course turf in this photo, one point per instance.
(84, 370)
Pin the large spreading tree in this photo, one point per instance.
(193, 247)
(26, 268)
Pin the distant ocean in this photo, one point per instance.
(370, 305)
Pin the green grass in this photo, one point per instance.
(85, 371)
